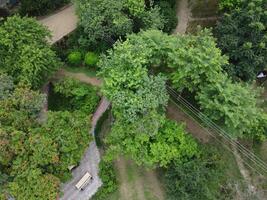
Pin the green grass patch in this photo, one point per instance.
(91, 72)
(204, 8)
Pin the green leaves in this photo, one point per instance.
(169, 141)
(74, 95)
(108, 20)
(242, 35)
(24, 52)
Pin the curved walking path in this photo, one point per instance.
(89, 163)
(61, 23)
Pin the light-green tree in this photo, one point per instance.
(169, 141)
(24, 52)
(107, 20)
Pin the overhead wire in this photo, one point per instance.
(248, 154)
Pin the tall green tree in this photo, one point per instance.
(110, 19)
(34, 184)
(242, 35)
(24, 52)
(169, 142)
(198, 178)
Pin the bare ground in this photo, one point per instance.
(173, 112)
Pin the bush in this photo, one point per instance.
(73, 95)
(40, 7)
(168, 12)
(228, 5)
(108, 177)
(91, 59)
(75, 58)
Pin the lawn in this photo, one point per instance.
(91, 72)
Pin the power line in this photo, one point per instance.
(217, 128)
(252, 157)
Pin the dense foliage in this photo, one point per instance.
(199, 178)
(242, 35)
(168, 13)
(138, 102)
(24, 52)
(108, 177)
(71, 95)
(40, 7)
(35, 157)
(107, 20)
(228, 5)
(192, 62)
(168, 142)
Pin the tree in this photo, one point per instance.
(170, 142)
(69, 133)
(40, 7)
(74, 95)
(242, 35)
(198, 178)
(234, 104)
(21, 109)
(33, 184)
(108, 20)
(228, 5)
(6, 86)
(24, 52)
(192, 62)
(196, 62)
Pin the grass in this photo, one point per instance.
(204, 8)
(91, 72)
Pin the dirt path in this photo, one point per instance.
(183, 15)
(173, 112)
(61, 23)
(79, 76)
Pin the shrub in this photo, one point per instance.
(73, 95)
(228, 5)
(108, 177)
(91, 59)
(168, 12)
(75, 58)
(40, 7)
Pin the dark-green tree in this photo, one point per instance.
(199, 178)
(242, 35)
(40, 7)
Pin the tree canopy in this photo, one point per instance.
(242, 35)
(192, 62)
(110, 19)
(35, 157)
(24, 52)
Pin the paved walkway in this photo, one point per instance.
(89, 163)
(61, 23)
